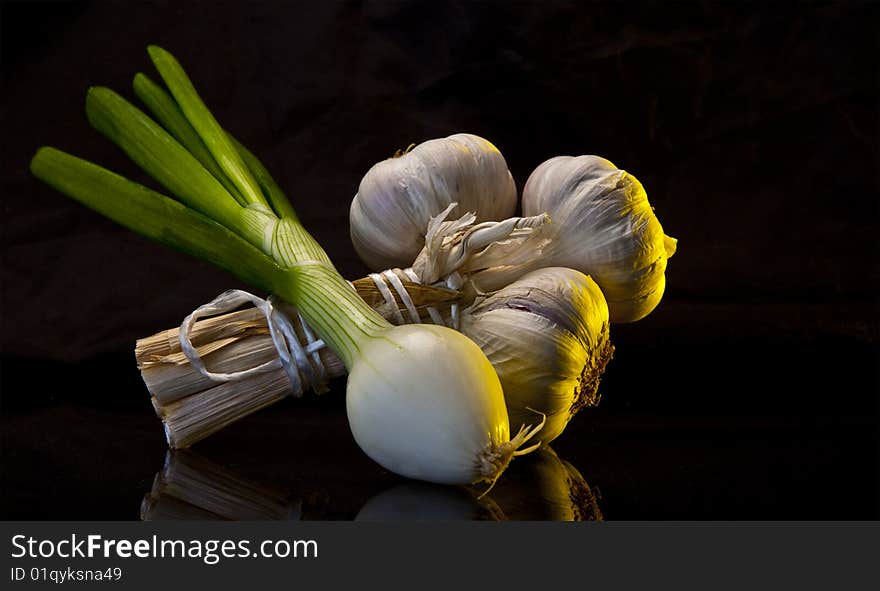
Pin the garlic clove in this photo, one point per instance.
(397, 197)
(604, 226)
(547, 337)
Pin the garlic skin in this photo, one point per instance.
(422, 501)
(604, 227)
(547, 336)
(490, 254)
(398, 197)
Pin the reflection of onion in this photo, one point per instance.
(420, 501)
(537, 487)
(190, 487)
(542, 487)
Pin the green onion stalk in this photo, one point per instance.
(422, 400)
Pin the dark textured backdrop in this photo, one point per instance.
(754, 130)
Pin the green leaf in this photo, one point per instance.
(169, 115)
(206, 125)
(277, 198)
(163, 158)
(158, 217)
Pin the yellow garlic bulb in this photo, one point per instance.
(605, 227)
(398, 197)
(547, 336)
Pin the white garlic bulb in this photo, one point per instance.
(547, 336)
(398, 197)
(604, 227)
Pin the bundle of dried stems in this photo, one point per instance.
(193, 406)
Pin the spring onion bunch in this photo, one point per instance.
(422, 400)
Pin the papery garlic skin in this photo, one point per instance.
(547, 336)
(604, 227)
(490, 254)
(398, 197)
(446, 426)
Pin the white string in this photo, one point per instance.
(394, 280)
(302, 362)
(389, 278)
(455, 281)
(293, 356)
(379, 280)
(313, 347)
(436, 318)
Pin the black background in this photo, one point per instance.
(750, 393)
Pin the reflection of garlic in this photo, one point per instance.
(398, 197)
(605, 227)
(542, 486)
(546, 335)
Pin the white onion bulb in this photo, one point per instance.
(424, 402)
(423, 501)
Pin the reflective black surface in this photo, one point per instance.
(750, 393)
(715, 440)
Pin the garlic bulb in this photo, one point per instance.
(398, 197)
(547, 337)
(604, 227)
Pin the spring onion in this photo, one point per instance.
(423, 401)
